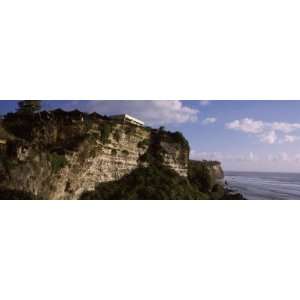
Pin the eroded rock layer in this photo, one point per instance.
(59, 155)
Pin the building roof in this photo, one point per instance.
(128, 117)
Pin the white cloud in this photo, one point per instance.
(290, 138)
(204, 102)
(152, 112)
(266, 132)
(269, 137)
(283, 156)
(247, 157)
(246, 125)
(197, 155)
(251, 161)
(251, 156)
(209, 120)
(285, 127)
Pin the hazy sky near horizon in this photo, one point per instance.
(243, 135)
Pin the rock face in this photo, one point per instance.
(60, 155)
(216, 170)
(206, 174)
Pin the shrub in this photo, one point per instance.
(7, 194)
(177, 137)
(146, 157)
(7, 162)
(200, 175)
(151, 157)
(29, 106)
(217, 192)
(57, 161)
(114, 152)
(147, 183)
(144, 143)
(19, 125)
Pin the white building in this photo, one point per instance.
(126, 118)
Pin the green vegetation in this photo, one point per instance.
(29, 106)
(19, 125)
(58, 161)
(180, 139)
(155, 152)
(153, 157)
(154, 182)
(4, 134)
(144, 143)
(172, 137)
(217, 192)
(16, 195)
(7, 162)
(200, 175)
(210, 163)
(114, 152)
(147, 157)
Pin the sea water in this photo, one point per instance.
(266, 186)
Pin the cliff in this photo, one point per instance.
(205, 174)
(215, 170)
(60, 155)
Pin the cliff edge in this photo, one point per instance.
(60, 155)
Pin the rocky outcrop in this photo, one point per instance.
(206, 174)
(216, 170)
(59, 155)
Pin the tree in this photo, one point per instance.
(29, 106)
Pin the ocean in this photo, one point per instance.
(265, 186)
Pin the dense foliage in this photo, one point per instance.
(29, 106)
(200, 175)
(57, 161)
(16, 195)
(144, 143)
(7, 162)
(19, 125)
(173, 137)
(154, 182)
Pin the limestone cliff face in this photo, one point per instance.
(60, 155)
(216, 171)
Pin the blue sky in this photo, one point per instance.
(243, 135)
